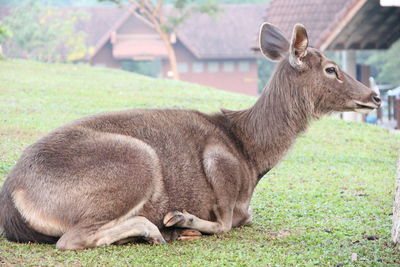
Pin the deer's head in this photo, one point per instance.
(327, 87)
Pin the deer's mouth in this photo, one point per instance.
(364, 107)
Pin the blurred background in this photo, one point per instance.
(213, 43)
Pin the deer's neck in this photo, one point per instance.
(269, 128)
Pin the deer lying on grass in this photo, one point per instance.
(171, 174)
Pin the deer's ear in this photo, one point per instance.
(298, 45)
(272, 42)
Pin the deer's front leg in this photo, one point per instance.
(186, 220)
(223, 173)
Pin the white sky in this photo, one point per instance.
(390, 2)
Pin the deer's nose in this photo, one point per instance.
(377, 100)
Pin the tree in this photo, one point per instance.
(387, 64)
(4, 35)
(165, 25)
(44, 33)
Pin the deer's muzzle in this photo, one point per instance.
(373, 102)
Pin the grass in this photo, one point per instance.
(324, 203)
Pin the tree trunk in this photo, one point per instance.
(155, 19)
(396, 211)
(1, 52)
(171, 55)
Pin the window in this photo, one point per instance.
(229, 66)
(213, 66)
(150, 68)
(183, 67)
(244, 66)
(198, 67)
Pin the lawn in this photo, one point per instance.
(328, 203)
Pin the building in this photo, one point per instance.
(210, 51)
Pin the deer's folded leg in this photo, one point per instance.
(171, 234)
(187, 220)
(90, 236)
(223, 173)
(189, 235)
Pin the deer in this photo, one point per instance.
(160, 175)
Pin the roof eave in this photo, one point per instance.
(103, 40)
(329, 35)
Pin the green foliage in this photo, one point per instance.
(45, 33)
(5, 33)
(317, 208)
(387, 64)
(265, 68)
(185, 8)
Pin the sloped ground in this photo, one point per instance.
(328, 203)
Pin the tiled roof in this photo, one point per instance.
(320, 17)
(101, 19)
(231, 34)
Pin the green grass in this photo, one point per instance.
(333, 190)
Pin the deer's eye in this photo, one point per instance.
(330, 70)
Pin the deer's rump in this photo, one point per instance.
(103, 167)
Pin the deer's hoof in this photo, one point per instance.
(156, 240)
(189, 235)
(173, 218)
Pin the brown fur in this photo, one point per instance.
(115, 176)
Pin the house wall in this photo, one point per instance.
(245, 82)
(104, 58)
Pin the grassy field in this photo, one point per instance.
(328, 203)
